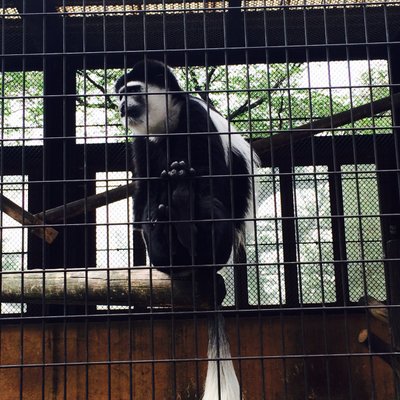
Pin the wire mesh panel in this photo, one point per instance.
(255, 179)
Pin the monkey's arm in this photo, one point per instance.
(183, 204)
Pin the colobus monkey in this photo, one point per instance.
(193, 191)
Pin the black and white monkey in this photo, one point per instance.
(193, 191)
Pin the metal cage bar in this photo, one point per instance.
(311, 307)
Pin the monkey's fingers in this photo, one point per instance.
(178, 169)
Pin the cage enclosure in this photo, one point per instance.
(311, 306)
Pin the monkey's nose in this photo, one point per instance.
(133, 112)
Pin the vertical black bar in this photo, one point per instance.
(62, 169)
(338, 235)
(33, 23)
(289, 236)
(391, 204)
(234, 31)
(389, 183)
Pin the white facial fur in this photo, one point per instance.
(160, 113)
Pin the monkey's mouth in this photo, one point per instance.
(133, 113)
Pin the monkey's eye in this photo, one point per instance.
(131, 89)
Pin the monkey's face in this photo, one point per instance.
(145, 108)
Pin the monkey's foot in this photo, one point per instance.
(178, 170)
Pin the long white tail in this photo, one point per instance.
(221, 381)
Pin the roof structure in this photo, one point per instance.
(195, 32)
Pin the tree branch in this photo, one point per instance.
(107, 99)
(247, 107)
(200, 90)
(280, 113)
(285, 138)
(92, 81)
(210, 73)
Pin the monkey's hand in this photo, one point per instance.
(178, 170)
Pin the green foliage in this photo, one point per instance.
(256, 98)
(21, 111)
(259, 99)
(97, 116)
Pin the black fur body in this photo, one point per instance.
(191, 215)
(212, 203)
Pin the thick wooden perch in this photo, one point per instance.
(367, 110)
(140, 288)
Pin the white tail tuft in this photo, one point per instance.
(221, 381)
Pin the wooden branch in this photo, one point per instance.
(68, 210)
(382, 349)
(111, 104)
(310, 129)
(210, 73)
(376, 308)
(26, 218)
(141, 288)
(87, 204)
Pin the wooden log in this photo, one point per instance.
(142, 288)
(88, 204)
(367, 110)
(26, 218)
(382, 349)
